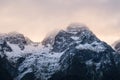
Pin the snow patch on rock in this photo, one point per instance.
(95, 46)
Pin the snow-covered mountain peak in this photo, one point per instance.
(71, 54)
(11, 36)
(16, 38)
(79, 30)
(74, 34)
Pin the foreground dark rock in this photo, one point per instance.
(4, 74)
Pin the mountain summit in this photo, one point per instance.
(71, 54)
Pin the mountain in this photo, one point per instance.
(116, 45)
(6, 69)
(85, 57)
(72, 54)
(16, 38)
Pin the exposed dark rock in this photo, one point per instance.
(29, 76)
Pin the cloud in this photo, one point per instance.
(35, 18)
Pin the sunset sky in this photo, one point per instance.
(37, 18)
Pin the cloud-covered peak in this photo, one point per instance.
(76, 27)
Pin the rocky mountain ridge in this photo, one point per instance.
(71, 54)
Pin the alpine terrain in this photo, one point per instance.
(71, 54)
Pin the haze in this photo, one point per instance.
(36, 18)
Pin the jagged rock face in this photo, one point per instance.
(85, 57)
(9, 68)
(86, 64)
(16, 38)
(7, 71)
(4, 47)
(71, 54)
(73, 34)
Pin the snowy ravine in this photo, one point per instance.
(71, 54)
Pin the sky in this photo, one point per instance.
(37, 18)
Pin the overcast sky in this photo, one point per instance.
(36, 18)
